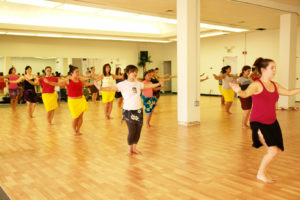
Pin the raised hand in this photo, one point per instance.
(235, 86)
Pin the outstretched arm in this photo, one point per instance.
(253, 88)
(287, 92)
(109, 89)
(160, 88)
(204, 79)
(61, 83)
(20, 79)
(219, 77)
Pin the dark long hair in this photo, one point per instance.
(10, 70)
(104, 71)
(71, 69)
(245, 68)
(224, 69)
(262, 63)
(27, 67)
(117, 71)
(129, 69)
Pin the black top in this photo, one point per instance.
(28, 86)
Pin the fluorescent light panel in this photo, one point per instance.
(78, 8)
(21, 34)
(42, 3)
(156, 19)
(223, 28)
(85, 37)
(212, 34)
(116, 13)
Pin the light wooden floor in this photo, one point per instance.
(213, 160)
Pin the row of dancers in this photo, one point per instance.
(264, 92)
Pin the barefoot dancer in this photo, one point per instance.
(265, 127)
(149, 100)
(132, 107)
(13, 87)
(30, 97)
(76, 101)
(49, 95)
(228, 93)
(246, 103)
(108, 80)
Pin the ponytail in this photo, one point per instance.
(262, 63)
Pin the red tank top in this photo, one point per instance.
(74, 88)
(264, 106)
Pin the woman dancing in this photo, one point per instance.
(49, 95)
(149, 100)
(265, 127)
(76, 101)
(246, 103)
(29, 94)
(108, 80)
(132, 107)
(227, 92)
(13, 87)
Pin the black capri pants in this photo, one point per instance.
(134, 121)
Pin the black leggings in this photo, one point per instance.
(134, 130)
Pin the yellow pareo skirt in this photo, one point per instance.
(50, 100)
(228, 95)
(77, 106)
(221, 90)
(108, 96)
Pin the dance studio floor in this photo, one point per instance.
(210, 161)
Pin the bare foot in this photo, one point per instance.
(245, 126)
(148, 125)
(136, 152)
(129, 153)
(263, 178)
(228, 112)
(77, 133)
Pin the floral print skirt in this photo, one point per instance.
(149, 103)
(133, 116)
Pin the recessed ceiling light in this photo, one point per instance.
(261, 29)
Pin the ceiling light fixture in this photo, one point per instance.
(85, 37)
(21, 34)
(156, 19)
(42, 3)
(223, 28)
(212, 34)
(78, 8)
(116, 13)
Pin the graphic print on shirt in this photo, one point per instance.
(134, 90)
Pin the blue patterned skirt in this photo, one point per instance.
(149, 103)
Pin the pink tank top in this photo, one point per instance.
(264, 106)
(148, 92)
(13, 85)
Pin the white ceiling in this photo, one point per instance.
(248, 14)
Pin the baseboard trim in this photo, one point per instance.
(188, 123)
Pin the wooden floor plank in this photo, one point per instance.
(210, 161)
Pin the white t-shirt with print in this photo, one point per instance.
(131, 92)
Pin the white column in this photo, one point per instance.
(188, 61)
(287, 57)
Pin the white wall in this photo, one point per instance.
(258, 43)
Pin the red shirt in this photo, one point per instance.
(74, 88)
(264, 106)
(46, 87)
